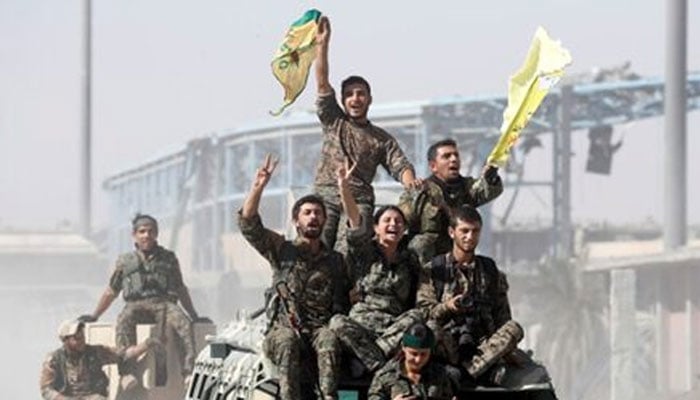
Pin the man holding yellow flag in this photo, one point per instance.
(428, 209)
(348, 136)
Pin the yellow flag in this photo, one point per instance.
(543, 67)
(294, 57)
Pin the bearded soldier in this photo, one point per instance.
(310, 284)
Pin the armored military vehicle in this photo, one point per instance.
(232, 367)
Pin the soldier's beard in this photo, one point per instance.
(310, 233)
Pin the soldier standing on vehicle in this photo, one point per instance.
(413, 374)
(314, 288)
(151, 282)
(74, 371)
(428, 209)
(466, 295)
(384, 275)
(348, 134)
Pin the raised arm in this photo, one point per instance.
(346, 198)
(487, 187)
(262, 177)
(323, 38)
(265, 241)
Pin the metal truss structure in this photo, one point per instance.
(208, 179)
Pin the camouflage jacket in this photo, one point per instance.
(386, 289)
(480, 279)
(391, 381)
(140, 276)
(69, 376)
(368, 146)
(316, 281)
(427, 210)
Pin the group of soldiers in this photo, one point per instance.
(399, 291)
(150, 280)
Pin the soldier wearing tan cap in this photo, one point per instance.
(74, 371)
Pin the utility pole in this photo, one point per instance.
(561, 177)
(675, 104)
(85, 204)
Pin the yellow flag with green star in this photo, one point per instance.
(543, 67)
(294, 57)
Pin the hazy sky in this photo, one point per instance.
(168, 71)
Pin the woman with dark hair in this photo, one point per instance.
(384, 274)
(412, 374)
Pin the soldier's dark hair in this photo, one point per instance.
(432, 150)
(309, 198)
(143, 219)
(381, 210)
(419, 335)
(351, 80)
(466, 214)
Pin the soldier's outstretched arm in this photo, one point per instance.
(409, 180)
(186, 301)
(103, 304)
(346, 197)
(487, 187)
(323, 38)
(262, 177)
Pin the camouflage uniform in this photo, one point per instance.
(150, 285)
(78, 377)
(428, 210)
(319, 287)
(368, 146)
(391, 381)
(375, 325)
(488, 331)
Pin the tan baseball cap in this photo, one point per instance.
(69, 328)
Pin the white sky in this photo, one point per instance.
(167, 71)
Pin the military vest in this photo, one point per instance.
(148, 279)
(98, 381)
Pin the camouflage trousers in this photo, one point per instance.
(373, 344)
(288, 352)
(163, 314)
(336, 227)
(488, 352)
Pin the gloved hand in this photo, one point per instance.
(85, 318)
